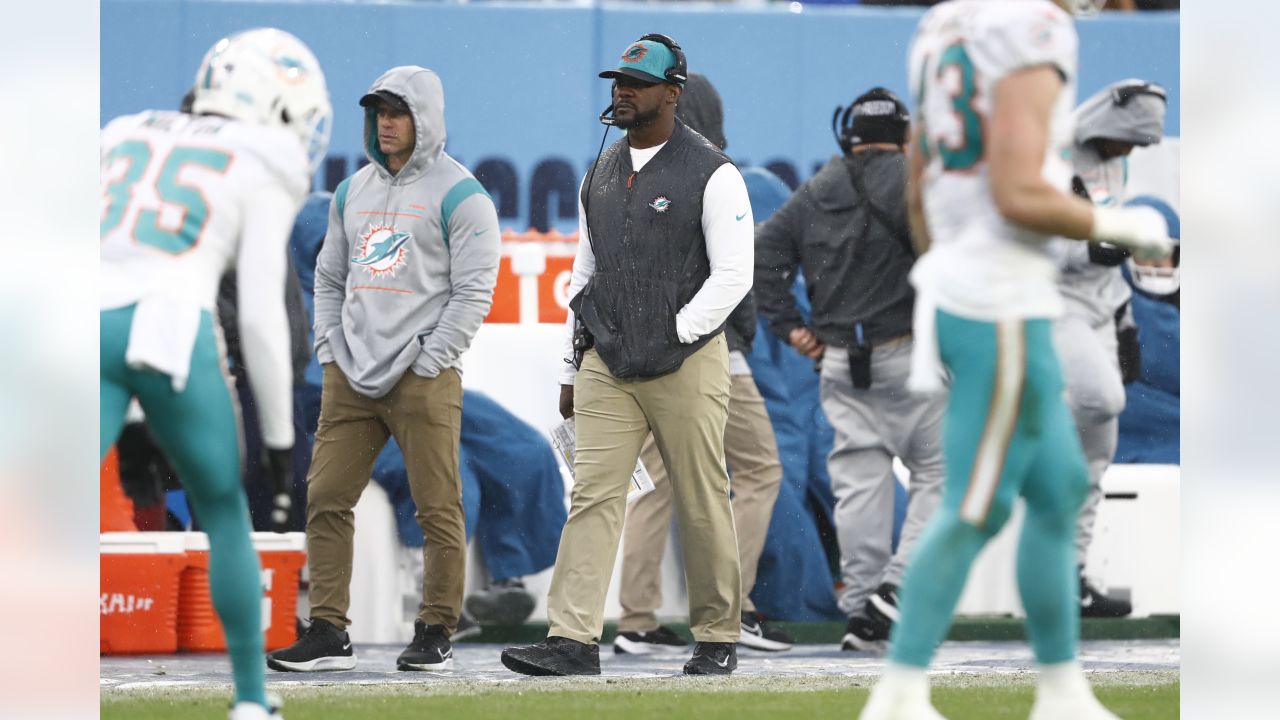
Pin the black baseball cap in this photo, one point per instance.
(387, 97)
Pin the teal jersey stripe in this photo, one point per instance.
(452, 199)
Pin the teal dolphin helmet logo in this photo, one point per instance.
(660, 204)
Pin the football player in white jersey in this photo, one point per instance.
(186, 197)
(988, 188)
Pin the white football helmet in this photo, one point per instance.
(1082, 7)
(1153, 279)
(270, 77)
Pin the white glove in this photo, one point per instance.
(1141, 229)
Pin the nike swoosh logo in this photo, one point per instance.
(724, 664)
(347, 646)
(739, 217)
(753, 629)
(478, 233)
(445, 655)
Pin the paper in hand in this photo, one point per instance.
(564, 438)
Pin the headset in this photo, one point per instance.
(1123, 94)
(678, 73)
(842, 118)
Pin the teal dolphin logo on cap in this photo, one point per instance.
(644, 60)
(635, 53)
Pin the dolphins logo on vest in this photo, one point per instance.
(382, 249)
(660, 204)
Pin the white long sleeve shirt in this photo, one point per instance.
(729, 230)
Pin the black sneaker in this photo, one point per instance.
(466, 628)
(429, 649)
(647, 643)
(322, 647)
(760, 635)
(553, 656)
(882, 606)
(502, 602)
(864, 635)
(712, 658)
(1094, 604)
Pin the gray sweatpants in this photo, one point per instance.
(872, 427)
(1095, 394)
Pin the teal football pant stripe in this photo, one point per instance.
(198, 431)
(1008, 432)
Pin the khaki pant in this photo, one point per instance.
(752, 453)
(424, 415)
(686, 412)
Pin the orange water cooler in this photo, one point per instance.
(139, 592)
(282, 556)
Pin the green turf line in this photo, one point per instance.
(1142, 702)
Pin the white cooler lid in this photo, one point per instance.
(142, 542)
(262, 541)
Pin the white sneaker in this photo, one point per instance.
(900, 695)
(1063, 693)
(254, 711)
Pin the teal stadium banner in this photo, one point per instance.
(521, 92)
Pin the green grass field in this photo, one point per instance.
(977, 698)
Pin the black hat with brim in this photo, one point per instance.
(387, 97)
(632, 73)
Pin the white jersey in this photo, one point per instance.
(980, 265)
(185, 199)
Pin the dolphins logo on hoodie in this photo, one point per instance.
(382, 249)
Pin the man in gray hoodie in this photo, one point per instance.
(403, 282)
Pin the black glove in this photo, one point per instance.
(1106, 254)
(1130, 354)
(277, 467)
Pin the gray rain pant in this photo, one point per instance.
(872, 427)
(1095, 394)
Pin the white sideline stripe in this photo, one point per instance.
(1002, 416)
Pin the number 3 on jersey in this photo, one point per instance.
(962, 88)
(146, 227)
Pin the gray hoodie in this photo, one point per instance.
(408, 266)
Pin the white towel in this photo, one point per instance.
(163, 337)
(928, 375)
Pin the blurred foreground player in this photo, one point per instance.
(186, 198)
(988, 179)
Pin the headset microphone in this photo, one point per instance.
(606, 117)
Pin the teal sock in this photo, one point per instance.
(235, 586)
(1047, 583)
(932, 586)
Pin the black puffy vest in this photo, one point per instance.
(651, 257)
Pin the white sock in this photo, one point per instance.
(1063, 679)
(905, 679)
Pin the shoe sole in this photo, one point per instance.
(624, 646)
(853, 643)
(509, 608)
(525, 668)
(426, 667)
(888, 611)
(757, 642)
(324, 664)
(707, 671)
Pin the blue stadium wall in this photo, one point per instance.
(521, 92)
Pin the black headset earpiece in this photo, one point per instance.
(679, 72)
